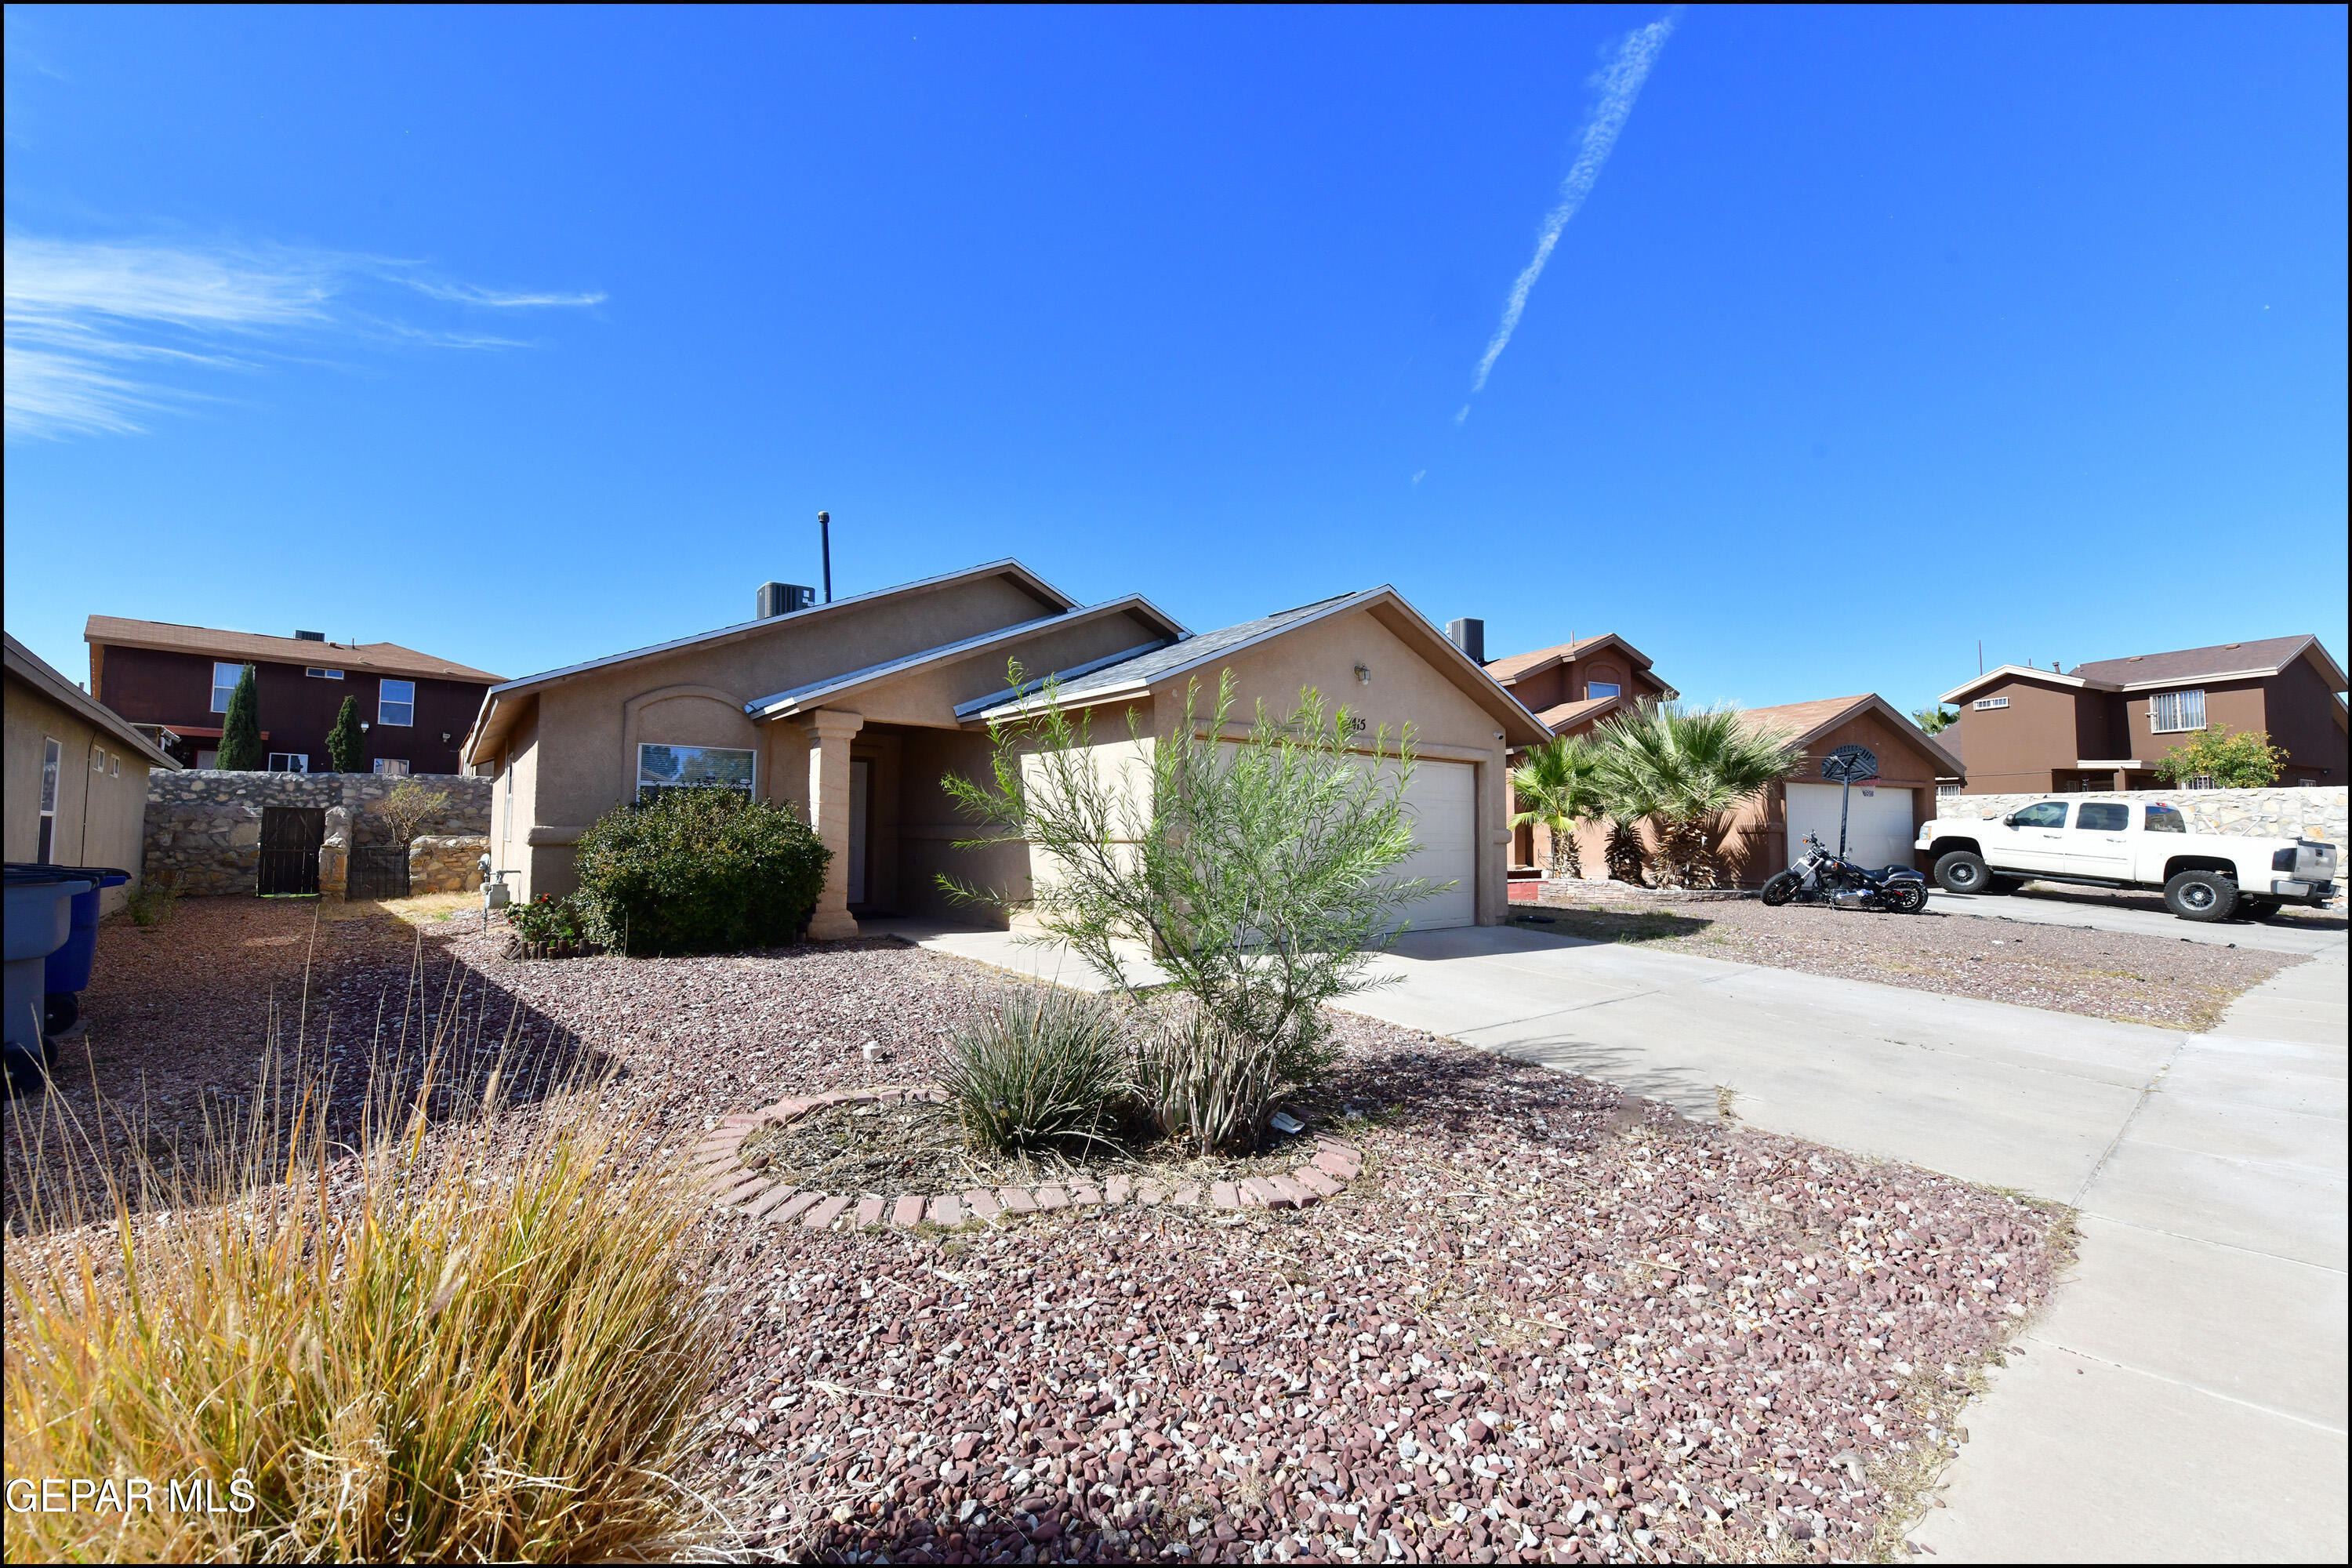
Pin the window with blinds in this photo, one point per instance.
(2169, 712)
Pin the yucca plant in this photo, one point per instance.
(1205, 1084)
(1046, 1067)
(466, 1339)
(1558, 786)
(1684, 769)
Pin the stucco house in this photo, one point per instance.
(1571, 688)
(851, 712)
(76, 775)
(2107, 724)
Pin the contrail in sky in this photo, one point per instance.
(1618, 88)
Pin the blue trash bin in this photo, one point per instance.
(39, 921)
(68, 969)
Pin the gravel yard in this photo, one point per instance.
(2171, 982)
(1544, 1324)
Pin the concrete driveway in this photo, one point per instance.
(2185, 1396)
(2144, 914)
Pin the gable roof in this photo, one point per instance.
(2140, 672)
(1136, 675)
(1512, 667)
(1808, 721)
(30, 667)
(2266, 656)
(248, 647)
(817, 693)
(1568, 715)
(1008, 567)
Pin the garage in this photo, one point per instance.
(1878, 828)
(1443, 800)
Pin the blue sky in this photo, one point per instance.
(528, 336)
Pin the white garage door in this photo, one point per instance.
(1443, 801)
(1878, 826)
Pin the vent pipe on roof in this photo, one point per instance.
(1470, 636)
(783, 598)
(824, 543)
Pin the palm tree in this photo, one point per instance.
(1686, 769)
(1559, 785)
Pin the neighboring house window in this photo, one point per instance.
(1982, 703)
(2163, 818)
(52, 754)
(393, 767)
(324, 674)
(114, 765)
(694, 767)
(225, 679)
(2202, 781)
(97, 759)
(2043, 813)
(1943, 790)
(2168, 711)
(1593, 689)
(207, 757)
(2305, 783)
(395, 702)
(289, 761)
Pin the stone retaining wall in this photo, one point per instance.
(2317, 812)
(204, 824)
(446, 862)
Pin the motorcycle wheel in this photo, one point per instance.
(1779, 890)
(1906, 898)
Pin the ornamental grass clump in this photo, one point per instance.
(1045, 1067)
(1206, 1085)
(435, 1342)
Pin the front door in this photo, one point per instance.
(2099, 843)
(2035, 838)
(861, 790)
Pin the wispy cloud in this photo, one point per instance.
(94, 331)
(1619, 86)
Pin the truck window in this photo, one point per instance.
(2103, 816)
(2163, 818)
(2043, 813)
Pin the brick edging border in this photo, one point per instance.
(717, 1168)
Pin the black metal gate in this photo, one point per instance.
(378, 873)
(290, 837)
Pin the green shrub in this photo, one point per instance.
(241, 747)
(699, 870)
(550, 919)
(2243, 759)
(346, 746)
(1047, 1067)
(1208, 1085)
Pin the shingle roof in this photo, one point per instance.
(212, 642)
(1149, 666)
(2193, 663)
(1510, 667)
(1569, 713)
(1807, 719)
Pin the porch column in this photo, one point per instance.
(829, 730)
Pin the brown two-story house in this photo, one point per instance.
(1571, 688)
(173, 683)
(2106, 725)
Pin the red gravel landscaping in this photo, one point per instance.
(1542, 1324)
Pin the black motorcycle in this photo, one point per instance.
(1822, 877)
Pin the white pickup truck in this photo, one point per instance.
(2129, 844)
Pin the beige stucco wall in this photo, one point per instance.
(101, 813)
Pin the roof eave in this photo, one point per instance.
(36, 671)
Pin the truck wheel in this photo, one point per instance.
(2200, 896)
(1962, 871)
(2258, 909)
(1779, 889)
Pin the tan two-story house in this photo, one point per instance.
(2106, 725)
(851, 712)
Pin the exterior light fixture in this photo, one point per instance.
(1363, 675)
